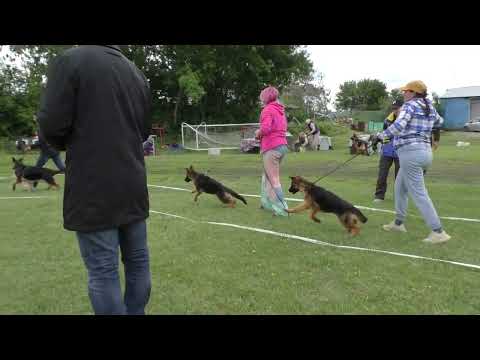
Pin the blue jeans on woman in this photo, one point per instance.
(100, 252)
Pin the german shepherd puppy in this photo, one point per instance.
(208, 185)
(32, 175)
(318, 199)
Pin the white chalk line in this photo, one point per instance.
(24, 197)
(318, 242)
(168, 187)
(300, 200)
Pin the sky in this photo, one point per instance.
(440, 67)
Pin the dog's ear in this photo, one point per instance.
(291, 177)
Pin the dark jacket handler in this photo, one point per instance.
(99, 112)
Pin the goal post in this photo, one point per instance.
(220, 136)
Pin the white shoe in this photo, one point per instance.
(436, 238)
(378, 200)
(393, 227)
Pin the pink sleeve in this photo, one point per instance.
(266, 121)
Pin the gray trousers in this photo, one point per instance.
(414, 160)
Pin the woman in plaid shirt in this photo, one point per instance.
(411, 134)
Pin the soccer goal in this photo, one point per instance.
(220, 136)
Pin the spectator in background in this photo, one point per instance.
(149, 146)
(48, 152)
(313, 134)
(388, 156)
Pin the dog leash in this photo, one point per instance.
(339, 166)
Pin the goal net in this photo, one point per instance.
(221, 136)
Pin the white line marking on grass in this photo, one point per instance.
(318, 242)
(460, 219)
(24, 197)
(358, 206)
(172, 215)
(168, 187)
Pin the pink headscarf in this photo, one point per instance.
(268, 95)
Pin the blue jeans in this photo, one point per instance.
(414, 161)
(100, 254)
(42, 160)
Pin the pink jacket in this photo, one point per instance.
(273, 126)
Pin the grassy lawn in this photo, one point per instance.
(199, 268)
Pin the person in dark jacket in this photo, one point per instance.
(388, 157)
(97, 107)
(48, 152)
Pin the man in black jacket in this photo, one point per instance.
(97, 107)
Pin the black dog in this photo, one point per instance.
(33, 174)
(208, 185)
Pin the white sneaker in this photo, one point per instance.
(378, 200)
(436, 238)
(393, 227)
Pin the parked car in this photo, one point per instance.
(472, 125)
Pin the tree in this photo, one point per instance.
(394, 95)
(16, 104)
(21, 86)
(192, 83)
(310, 99)
(366, 94)
(347, 98)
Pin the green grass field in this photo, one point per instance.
(199, 268)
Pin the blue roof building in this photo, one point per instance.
(460, 106)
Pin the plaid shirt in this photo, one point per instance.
(412, 125)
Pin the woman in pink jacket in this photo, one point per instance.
(273, 146)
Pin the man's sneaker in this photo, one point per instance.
(377, 200)
(436, 238)
(393, 227)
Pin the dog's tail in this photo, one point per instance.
(234, 194)
(359, 214)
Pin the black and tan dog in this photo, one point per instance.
(31, 175)
(205, 184)
(317, 199)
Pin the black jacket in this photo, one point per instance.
(97, 107)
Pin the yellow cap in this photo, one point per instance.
(415, 86)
